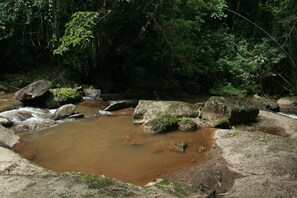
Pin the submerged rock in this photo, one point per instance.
(121, 104)
(234, 109)
(32, 91)
(7, 137)
(148, 110)
(64, 111)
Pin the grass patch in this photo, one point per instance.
(95, 182)
(175, 188)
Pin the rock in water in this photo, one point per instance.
(234, 109)
(148, 110)
(180, 147)
(121, 104)
(33, 90)
(7, 138)
(93, 93)
(64, 111)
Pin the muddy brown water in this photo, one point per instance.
(114, 147)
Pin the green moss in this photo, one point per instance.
(222, 123)
(227, 90)
(174, 188)
(186, 124)
(61, 96)
(95, 182)
(162, 123)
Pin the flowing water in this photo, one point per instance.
(114, 147)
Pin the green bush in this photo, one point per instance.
(227, 90)
(61, 96)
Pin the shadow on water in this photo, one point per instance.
(114, 147)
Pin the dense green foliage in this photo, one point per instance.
(60, 96)
(157, 45)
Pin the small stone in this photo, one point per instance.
(180, 146)
(104, 113)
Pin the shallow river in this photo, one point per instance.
(114, 147)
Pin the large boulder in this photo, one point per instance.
(148, 110)
(7, 138)
(121, 104)
(32, 91)
(234, 109)
(64, 111)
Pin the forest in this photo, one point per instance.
(197, 46)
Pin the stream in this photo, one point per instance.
(111, 146)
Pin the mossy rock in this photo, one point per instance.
(60, 96)
(222, 123)
(162, 123)
(64, 111)
(186, 124)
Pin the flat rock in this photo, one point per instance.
(121, 104)
(7, 137)
(12, 163)
(267, 163)
(269, 122)
(148, 110)
(33, 90)
(258, 153)
(264, 187)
